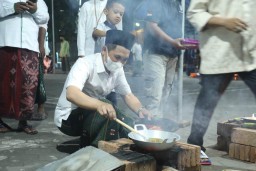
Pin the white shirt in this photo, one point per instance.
(222, 50)
(87, 21)
(89, 75)
(21, 30)
(100, 42)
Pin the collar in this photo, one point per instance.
(111, 26)
(99, 63)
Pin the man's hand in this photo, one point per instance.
(32, 7)
(107, 110)
(20, 7)
(144, 113)
(235, 24)
(178, 44)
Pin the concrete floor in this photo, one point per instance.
(21, 152)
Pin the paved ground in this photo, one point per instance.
(21, 152)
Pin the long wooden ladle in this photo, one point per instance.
(130, 128)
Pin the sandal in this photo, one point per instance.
(27, 129)
(4, 127)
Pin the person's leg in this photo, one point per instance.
(168, 85)
(73, 126)
(213, 87)
(28, 77)
(63, 64)
(250, 80)
(155, 69)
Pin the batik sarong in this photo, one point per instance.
(18, 82)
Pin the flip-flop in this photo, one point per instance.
(27, 129)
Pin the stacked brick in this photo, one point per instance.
(243, 144)
(224, 130)
(187, 159)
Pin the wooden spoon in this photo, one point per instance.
(130, 128)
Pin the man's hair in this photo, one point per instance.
(111, 2)
(111, 46)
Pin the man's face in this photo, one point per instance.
(120, 54)
(61, 38)
(115, 13)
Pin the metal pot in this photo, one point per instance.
(143, 142)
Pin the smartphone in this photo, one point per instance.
(34, 1)
(190, 41)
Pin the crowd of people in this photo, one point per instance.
(87, 106)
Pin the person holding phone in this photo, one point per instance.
(19, 60)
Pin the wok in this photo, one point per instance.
(143, 143)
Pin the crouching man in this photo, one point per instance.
(82, 109)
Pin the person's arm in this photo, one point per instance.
(77, 97)
(135, 105)
(200, 17)
(41, 40)
(39, 11)
(98, 33)
(155, 30)
(232, 24)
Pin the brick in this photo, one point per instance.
(223, 143)
(242, 151)
(231, 152)
(195, 152)
(225, 129)
(247, 153)
(237, 151)
(253, 154)
(244, 136)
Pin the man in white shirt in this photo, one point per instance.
(19, 49)
(90, 15)
(91, 79)
(227, 46)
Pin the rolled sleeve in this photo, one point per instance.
(122, 87)
(41, 16)
(78, 74)
(198, 15)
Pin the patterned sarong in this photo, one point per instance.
(18, 82)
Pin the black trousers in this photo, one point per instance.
(213, 86)
(65, 64)
(73, 126)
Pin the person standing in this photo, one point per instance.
(162, 44)
(114, 12)
(19, 60)
(90, 15)
(227, 46)
(64, 54)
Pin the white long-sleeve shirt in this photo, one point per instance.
(21, 30)
(222, 50)
(87, 21)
